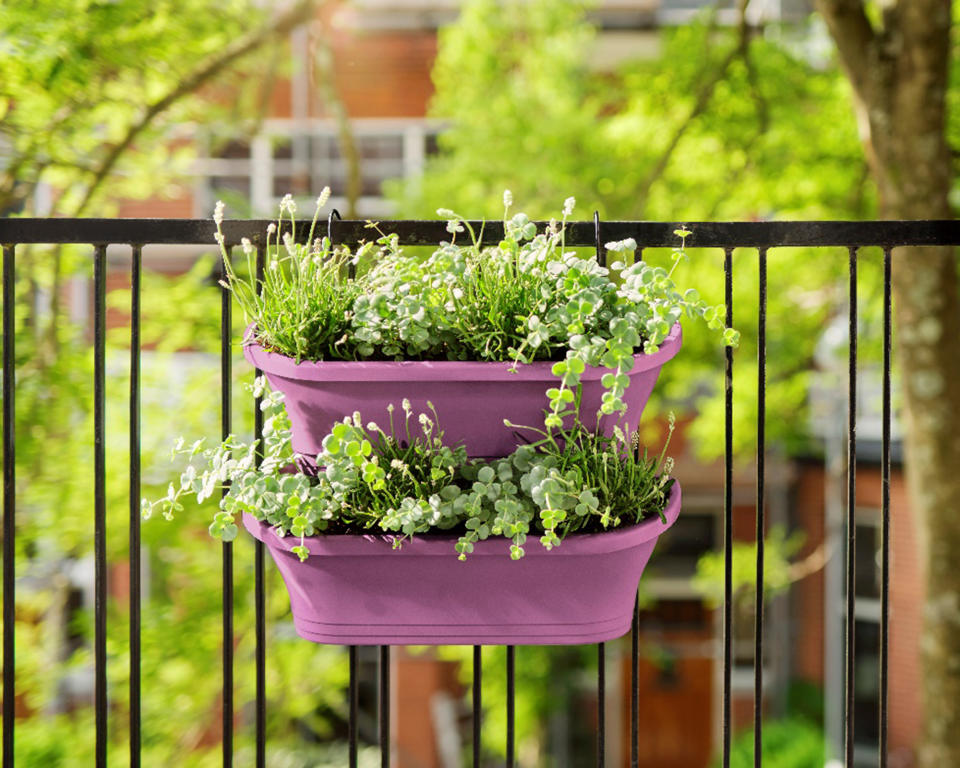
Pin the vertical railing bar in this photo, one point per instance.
(9, 505)
(601, 647)
(635, 685)
(761, 508)
(477, 702)
(601, 703)
(851, 513)
(100, 503)
(384, 706)
(259, 589)
(136, 262)
(352, 709)
(227, 548)
(635, 656)
(885, 511)
(511, 705)
(727, 511)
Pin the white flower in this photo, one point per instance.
(372, 426)
(507, 198)
(247, 245)
(324, 196)
(445, 213)
(271, 228)
(568, 205)
(287, 204)
(218, 212)
(454, 226)
(405, 404)
(619, 246)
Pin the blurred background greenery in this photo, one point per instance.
(724, 112)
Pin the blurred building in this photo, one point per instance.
(382, 52)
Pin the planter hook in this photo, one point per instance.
(333, 212)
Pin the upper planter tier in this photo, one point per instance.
(471, 399)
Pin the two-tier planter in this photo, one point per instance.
(525, 514)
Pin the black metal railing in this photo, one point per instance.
(136, 233)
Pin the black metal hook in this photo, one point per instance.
(333, 211)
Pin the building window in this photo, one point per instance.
(866, 639)
(301, 157)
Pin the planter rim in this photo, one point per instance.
(434, 370)
(442, 545)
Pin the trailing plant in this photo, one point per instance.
(527, 298)
(403, 480)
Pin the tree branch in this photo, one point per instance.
(301, 12)
(702, 101)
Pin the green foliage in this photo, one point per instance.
(181, 622)
(515, 82)
(571, 480)
(805, 700)
(788, 743)
(512, 79)
(78, 79)
(180, 311)
(78, 76)
(778, 549)
(526, 299)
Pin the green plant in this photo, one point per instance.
(777, 567)
(526, 299)
(407, 482)
(793, 742)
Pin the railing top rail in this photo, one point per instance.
(652, 234)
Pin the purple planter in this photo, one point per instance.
(471, 398)
(358, 590)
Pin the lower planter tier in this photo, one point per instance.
(359, 590)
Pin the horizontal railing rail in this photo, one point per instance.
(650, 234)
(137, 233)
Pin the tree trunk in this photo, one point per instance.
(899, 74)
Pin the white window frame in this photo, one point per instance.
(261, 167)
